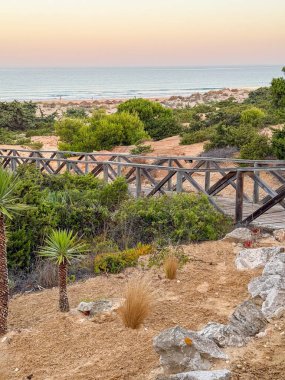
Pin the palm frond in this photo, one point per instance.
(62, 245)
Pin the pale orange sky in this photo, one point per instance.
(141, 32)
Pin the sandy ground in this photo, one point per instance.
(45, 344)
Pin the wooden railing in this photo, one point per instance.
(149, 175)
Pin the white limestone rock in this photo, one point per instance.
(239, 235)
(274, 305)
(279, 235)
(261, 286)
(222, 374)
(223, 335)
(184, 350)
(256, 257)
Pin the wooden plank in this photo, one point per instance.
(239, 197)
(222, 183)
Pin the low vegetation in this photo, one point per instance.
(171, 266)
(138, 300)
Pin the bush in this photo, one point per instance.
(100, 132)
(194, 137)
(257, 148)
(142, 149)
(116, 262)
(253, 117)
(278, 143)
(159, 121)
(179, 218)
(81, 203)
(278, 92)
(79, 112)
(17, 116)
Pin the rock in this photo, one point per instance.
(275, 266)
(223, 335)
(222, 374)
(279, 235)
(262, 285)
(274, 305)
(184, 350)
(256, 257)
(99, 307)
(248, 319)
(239, 235)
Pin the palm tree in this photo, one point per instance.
(61, 246)
(9, 206)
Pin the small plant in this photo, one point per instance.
(116, 262)
(171, 266)
(138, 302)
(61, 246)
(159, 257)
(141, 149)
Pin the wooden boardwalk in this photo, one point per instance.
(250, 191)
(273, 219)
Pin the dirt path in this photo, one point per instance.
(50, 345)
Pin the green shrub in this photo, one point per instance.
(73, 112)
(17, 116)
(159, 121)
(253, 117)
(142, 149)
(257, 148)
(278, 143)
(194, 137)
(179, 218)
(278, 92)
(116, 262)
(99, 132)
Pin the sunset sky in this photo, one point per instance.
(141, 32)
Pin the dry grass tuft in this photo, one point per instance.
(138, 302)
(170, 267)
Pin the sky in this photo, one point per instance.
(61, 33)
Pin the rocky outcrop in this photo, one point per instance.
(246, 321)
(270, 287)
(183, 350)
(256, 257)
(279, 235)
(239, 235)
(223, 374)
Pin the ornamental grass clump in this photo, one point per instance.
(138, 303)
(170, 266)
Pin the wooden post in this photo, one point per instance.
(105, 171)
(207, 176)
(138, 182)
(169, 183)
(256, 186)
(86, 164)
(13, 161)
(119, 171)
(239, 197)
(179, 183)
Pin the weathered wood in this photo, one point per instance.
(208, 176)
(222, 183)
(138, 182)
(239, 197)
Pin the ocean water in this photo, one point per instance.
(127, 82)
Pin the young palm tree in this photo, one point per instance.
(9, 206)
(61, 246)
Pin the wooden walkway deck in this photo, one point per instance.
(273, 219)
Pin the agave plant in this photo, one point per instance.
(9, 206)
(61, 247)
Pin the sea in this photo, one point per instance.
(127, 82)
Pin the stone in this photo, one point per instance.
(239, 235)
(223, 335)
(279, 235)
(274, 305)
(248, 319)
(261, 286)
(256, 257)
(99, 307)
(183, 350)
(275, 266)
(222, 374)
